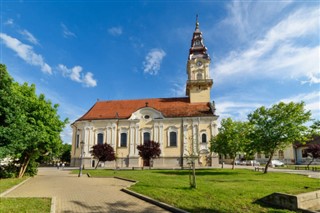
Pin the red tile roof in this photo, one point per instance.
(169, 107)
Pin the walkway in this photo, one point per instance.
(82, 194)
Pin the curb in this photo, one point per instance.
(155, 202)
(13, 188)
(53, 205)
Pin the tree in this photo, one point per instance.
(231, 139)
(65, 153)
(314, 151)
(103, 152)
(149, 150)
(30, 125)
(277, 127)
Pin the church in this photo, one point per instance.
(182, 125)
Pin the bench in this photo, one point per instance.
(137, 167)
(301, 167)
(257, 168)
(316, 169)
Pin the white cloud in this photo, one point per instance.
(74, 74)
(280, 53)
(66, 32)
(29, 37)
(9, 22)
(26, 52)
(115, 31)
(153, 60)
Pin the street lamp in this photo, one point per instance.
(81, 157)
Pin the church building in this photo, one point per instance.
(182, 125)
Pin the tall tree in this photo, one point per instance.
(103, 152)
(277, 127)
(149, 150)
(30, 125)
(231, 139)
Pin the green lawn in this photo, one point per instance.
(21, 204)
(26, 205)
(219, 190)
(10, 182)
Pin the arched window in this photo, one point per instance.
(204, 138)
(199, 76)
(100, 138)
(78, 141)
(173, 139)
(146, 136)
(123, 140)
(281, 155)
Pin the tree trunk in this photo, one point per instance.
(24, 166)
(310, 162)
(234, 161)
(269, 161)
(194, 184)
(97, 164)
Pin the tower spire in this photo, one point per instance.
(197, 22)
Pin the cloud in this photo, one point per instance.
(115, 31)
(75, 75)
(29, 37)
(66, 32)
(9, 22)
(26, 52)
(153, 60)
(311, 100)
(280, 53)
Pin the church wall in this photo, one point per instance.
(199, 95)
(188, 132)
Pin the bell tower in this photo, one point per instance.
(199, 83)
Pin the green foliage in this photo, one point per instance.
(65, 155)
(30, 125)
(277, 127)
(232, 138)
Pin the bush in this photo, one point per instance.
(8, 171)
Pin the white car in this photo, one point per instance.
(275, 163)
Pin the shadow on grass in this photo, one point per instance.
(198, 173)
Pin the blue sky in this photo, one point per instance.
(262, 52)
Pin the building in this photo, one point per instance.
(181, 125)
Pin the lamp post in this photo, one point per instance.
(81, 157)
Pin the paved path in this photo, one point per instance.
(82, 194)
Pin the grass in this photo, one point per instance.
(25, 205)
(10, 182)
(294, 166)
(218, 190)
(13, 205)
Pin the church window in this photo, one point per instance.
(146, 117)
(281, 154)
(199, 76)
(173, 139)
(77, 141)
(123, 140)
(204, 138)
(304, 153)
(146, 137)
(100, 138)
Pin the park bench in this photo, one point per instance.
(257, 168)
(137, 168)
(301, 167)
(316, 169)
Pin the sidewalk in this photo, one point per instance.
(73, 194)
(308, 173)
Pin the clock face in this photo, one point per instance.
(197, 42)
(199, 63)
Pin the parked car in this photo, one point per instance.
(275, 163)
(255, 163)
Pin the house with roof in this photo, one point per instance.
(182, 125)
